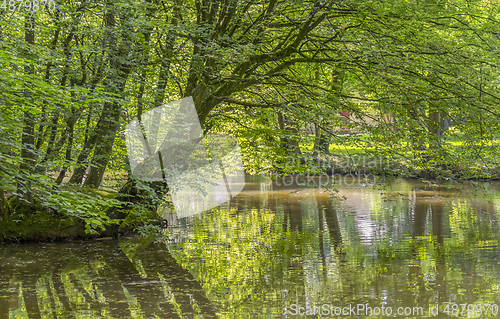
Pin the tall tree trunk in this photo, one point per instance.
(321, 143)
(28, 134)
(208, 92)
(79, 172)
(3, 206)
(434, 127)
(50, 147)
(90, 138)
(42, 131)
(53, 149)
(71, 127)
(415, 133)
(67, 158)
(289, 142)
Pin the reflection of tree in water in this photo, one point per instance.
(327, 210)
(130, 279)
(411, 260)
(437, 209)
(422, 208)
(328, 214)
(267, 251)
(292, 217)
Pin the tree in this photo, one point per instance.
(260, 70)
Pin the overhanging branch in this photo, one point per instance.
(246, 103)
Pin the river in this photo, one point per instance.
(394, 249)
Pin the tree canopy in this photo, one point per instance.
(409, 77)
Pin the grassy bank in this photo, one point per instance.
(455, 158)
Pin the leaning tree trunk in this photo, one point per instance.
(105, 137)
(116, 81)
(204, 84)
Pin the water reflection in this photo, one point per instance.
(270, 251)
(107, 279)
(406, 244)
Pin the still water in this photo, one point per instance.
(399, 249)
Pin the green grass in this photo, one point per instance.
(462, 158)
(348, 146)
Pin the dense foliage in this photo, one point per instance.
(418, 81)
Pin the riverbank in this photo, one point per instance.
(455, 158)
(48, 227)
(42, 227)
(421, 166)
(83, 213)
(74, 214)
